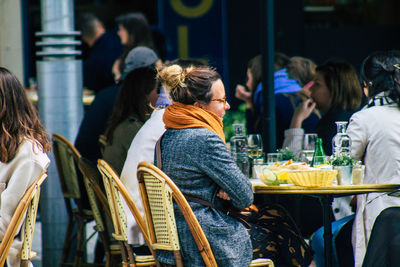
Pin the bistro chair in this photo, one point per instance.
(79, 213)
(27, 205)
(101, 213)
(114, 189)
(158, 192)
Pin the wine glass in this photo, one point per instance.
(309, 146)
(254, 146)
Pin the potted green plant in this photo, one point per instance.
(287, 154)
(343, 163)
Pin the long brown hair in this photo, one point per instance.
(139, 33)
(132, 98)
(342, 81)
(18, 118)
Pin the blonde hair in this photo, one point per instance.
(188, 85)
(173, 77)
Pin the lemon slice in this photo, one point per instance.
(323, 165)
(268, 177)
(282, 176)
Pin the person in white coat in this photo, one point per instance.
(23, 147)
(375, 135)
(142, 149)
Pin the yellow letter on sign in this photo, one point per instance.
(191, 12)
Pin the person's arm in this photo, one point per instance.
(242, 94)
(25, 172)
(302, 112)
(358, 135)
(218, 164)
(294, 135)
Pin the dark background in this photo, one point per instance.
(317, 29)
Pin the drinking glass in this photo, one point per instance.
(308, 147)
(273, 157)
(320, 160)
(254, 146)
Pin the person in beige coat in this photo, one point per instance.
(375, 135)
(23, 147)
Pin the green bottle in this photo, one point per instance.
(319, 154)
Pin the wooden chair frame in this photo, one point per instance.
(152, 180)
(114, 189)
(28, 205)
(67, 158)
(101, 211)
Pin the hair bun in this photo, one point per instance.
(172, 77)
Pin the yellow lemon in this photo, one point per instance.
(282, 176)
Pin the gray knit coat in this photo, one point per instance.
(199, 163)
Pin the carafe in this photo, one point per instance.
(239, 149)
(341, 142)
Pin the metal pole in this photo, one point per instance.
(268, 51)
(59, 77)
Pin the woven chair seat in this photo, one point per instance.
(26, 209)
(114, 189)
(158, 193)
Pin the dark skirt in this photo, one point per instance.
(275, 236)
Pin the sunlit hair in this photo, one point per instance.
(342, 81)
(380, 72)
(189, 85)
(301, 69)
(132, 98)
(18, 118)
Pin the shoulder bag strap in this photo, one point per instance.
(158, 152)
(230, 212)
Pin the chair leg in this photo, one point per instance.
(131, 257)
(123, 253)
(178, 258)
(108, 259)
(67, 240)
(80, 249)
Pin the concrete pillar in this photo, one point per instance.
(59, 77)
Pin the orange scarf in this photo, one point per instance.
(181, 116)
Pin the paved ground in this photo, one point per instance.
(37, 243)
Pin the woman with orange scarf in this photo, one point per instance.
(195, 157)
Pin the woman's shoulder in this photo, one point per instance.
(370, 113)
(31, 150)
(198, 133)
(129, 125)
(191, 138)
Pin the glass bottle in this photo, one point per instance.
(319, 154)
(239, 149)
(341, 142)
(258, 164)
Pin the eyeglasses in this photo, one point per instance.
(221, 100)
